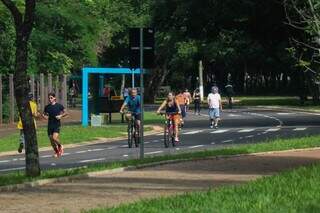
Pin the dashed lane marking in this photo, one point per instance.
(92, 160)
(12, 169)
(273, 130)
(299, 129)
(227, 141)
(151, 153)
(197, 146)
(80, 152)
(192, 132)
(219, 131)
(246, 130)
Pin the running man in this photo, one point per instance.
(182, 101)
(172, 107)
(54, 112)
(133, 102)
(34, 110)
(188, 97)
(215, 106)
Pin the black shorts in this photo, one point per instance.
(53, 129)
(137, 116)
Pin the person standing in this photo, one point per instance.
(215, 106)
(197, 101)
(34, 111)
(230, 93)
(73, 94)
(54, 112)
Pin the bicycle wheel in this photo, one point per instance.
(166, 136)
(130, 134)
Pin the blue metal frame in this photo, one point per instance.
(85, 83)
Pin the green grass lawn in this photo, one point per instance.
(274, 145)
(76, 134)
(294, 191)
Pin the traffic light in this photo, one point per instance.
(148, 48)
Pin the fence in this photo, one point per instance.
(40, 86)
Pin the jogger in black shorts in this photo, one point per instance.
(53, 112)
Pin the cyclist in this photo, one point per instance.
(133, 102)
(172, 108)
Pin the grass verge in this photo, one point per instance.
(74, 134)
(268, 194)
(274, 145)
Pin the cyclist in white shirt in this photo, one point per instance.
(215, 106)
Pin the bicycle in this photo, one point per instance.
(133, 130)
(169, 130)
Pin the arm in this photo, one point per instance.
(123, 106)
(64, 114)
(220, 103)
(162, 106)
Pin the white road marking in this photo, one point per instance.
(80, 152)
(12, 169)
(66, 153)
(267, 116)
(5, 161)
(124, 146)
(233, 115)
(151, 153)
(46, 156)
(227, 141)
(15, 159)
(246, 130)
(177, 149)
(250, 136)
(240, 138)
(112, 147)
(213, 143)
(92, 160)
(155, 141)
(192, 132)
(53, 164)
(197, 146)
(97, 150)
(299, 129)
(285, 113)
(219, 131)
(125, 156)
(273, 130)
(147, 142)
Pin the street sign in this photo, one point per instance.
(148, 48)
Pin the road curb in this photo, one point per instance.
(37, 183)
(286, 109)
(156, 129)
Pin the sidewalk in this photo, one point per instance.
(129, 186)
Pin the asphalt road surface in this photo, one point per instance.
(238, 126)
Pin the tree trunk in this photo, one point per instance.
(155, 80)
(23, 27)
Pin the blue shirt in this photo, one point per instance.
(133, 104)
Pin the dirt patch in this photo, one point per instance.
(129, 186)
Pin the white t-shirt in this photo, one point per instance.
(213, 100)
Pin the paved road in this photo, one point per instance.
(238, 126)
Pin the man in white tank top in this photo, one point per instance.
(215, 106)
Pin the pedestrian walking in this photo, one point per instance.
(215, 107)
(54, 112)
(197, 101)
(34, 111)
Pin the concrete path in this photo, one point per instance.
(129, 186)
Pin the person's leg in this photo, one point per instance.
(56, 140)
(217, 116)
(22, 141)
(176, 120)
(211, 116)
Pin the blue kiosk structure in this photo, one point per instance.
(86, 71)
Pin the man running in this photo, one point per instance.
(215, 106)
(34, 110)
(188, 97)
(133, 101)
(54, 112)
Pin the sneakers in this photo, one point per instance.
(211, 126)
(20, 148)
(176, 139)
(60, 151)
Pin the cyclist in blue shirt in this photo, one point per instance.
(133, 102)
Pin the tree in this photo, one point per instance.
(23, 23)
(304, 20)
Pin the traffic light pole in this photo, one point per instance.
(141, 95)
